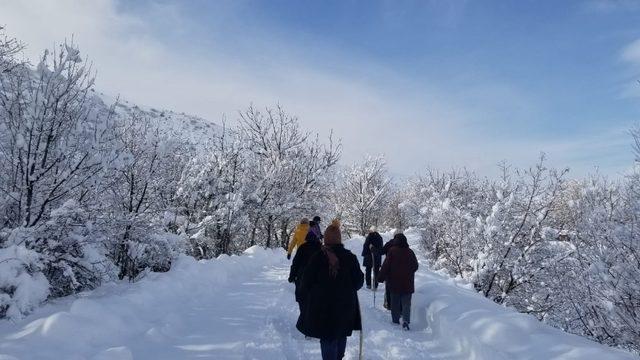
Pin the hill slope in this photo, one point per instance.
(189, 127)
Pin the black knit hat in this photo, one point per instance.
(317, 219)
(400, 240)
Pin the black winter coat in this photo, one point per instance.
(331, 307)
(387, 246)
(373, 239)
(301, 260)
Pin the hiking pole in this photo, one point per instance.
(360, 354)
(375, 275)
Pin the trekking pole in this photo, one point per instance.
(375, 275)
(375, 289)
(360, 354)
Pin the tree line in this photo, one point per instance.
(92, 191)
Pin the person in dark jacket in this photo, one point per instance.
(372, 256)
(387, 295)
(310, 246)
(398, 270)
(387, 246)
(316, 227)
(329, 285)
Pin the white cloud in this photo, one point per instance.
(612, 5)
(630, 56)
(631, 53)
(374, 110)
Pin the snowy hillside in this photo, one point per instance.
(189, 127)
(241, 307)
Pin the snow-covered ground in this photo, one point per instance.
(241, 307)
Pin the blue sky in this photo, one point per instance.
(428, 83)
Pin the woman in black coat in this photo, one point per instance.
(300, 261)
(329, 285)
(372, 257)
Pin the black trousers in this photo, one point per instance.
(400, 306)
(368, 274)
(333, 349)
(387, 297)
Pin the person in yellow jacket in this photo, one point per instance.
(298, 236)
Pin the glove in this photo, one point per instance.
(291, 279)
(289, 258)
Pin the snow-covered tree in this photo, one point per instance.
(563, 251)
(216, 197)
(362, 196)
(9, 47)
(146, 171)
(605, 269)
(52, 146)
(52, 139)
(287, 167)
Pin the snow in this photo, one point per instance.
(241, 307)
(29, 290)
(194, 128)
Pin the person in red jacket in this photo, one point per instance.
(398, 270)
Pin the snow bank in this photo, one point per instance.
(483, 330)
(29, 287)
(480, 329)
(475, 328)
(74, 327)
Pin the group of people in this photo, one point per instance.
(397, 272)
(327, 278)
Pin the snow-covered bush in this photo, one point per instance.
(517, 234)
(603, 223)
(23, 286)
(146, 248)
(62, 256)
(71, 251)
(564, 251)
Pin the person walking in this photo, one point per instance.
(299, 234)
(316, 228)
(387, 295)
(304, 254)
(372, 256)
(398, 270)
(329, 285)
(388, 245)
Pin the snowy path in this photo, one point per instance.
(241, 307)
(251, 316)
